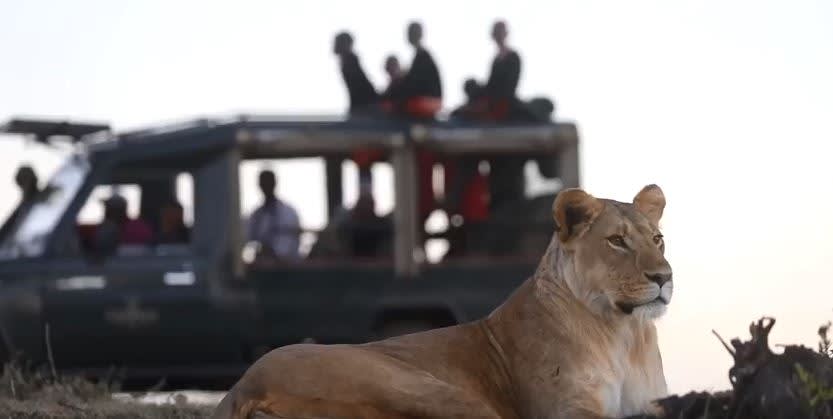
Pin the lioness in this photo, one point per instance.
(576, 340)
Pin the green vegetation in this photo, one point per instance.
(816, 392)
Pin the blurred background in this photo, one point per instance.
(726, 105)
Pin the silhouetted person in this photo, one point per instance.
(275, 223)
(474, 105)
(497, 99)
(172, 228)
(395, 76)
(363, 96)
(506, 67)
(421, 90)
(367, 231)
(27, 181)
(117, 228)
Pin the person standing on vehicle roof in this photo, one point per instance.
(506, 67)
(274, 225)
(420, 93)
(363, 96)
(497, 99)
(118, 229)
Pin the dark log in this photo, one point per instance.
(795, 384)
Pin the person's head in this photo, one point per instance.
(365, 206)
(471, 88)
(415, 34)
(115, 208)
(392, 67)
(500, 32)
(267, 181)
(26, 180)
(343, 43)
(172, 216)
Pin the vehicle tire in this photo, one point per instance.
(395, 328)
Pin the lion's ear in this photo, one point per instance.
(650, 201)
(573, 211)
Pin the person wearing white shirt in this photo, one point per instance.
(274, 225)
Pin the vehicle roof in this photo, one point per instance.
(264, 136)
(45, 130)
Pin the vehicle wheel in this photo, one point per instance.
(402, 327)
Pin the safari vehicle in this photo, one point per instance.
(205, 308)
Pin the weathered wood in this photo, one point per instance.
(797, 383)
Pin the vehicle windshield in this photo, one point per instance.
(36, 219)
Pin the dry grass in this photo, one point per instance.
(36, 393)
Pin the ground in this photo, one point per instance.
(797, 383)
(28, 393)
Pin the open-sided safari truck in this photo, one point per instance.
(204, 307)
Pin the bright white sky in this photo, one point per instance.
(727, 105)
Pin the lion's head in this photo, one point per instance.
(613, 252)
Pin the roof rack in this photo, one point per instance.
(45, 131)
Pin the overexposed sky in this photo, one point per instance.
(726, 104)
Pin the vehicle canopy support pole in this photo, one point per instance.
(405, 219)
(335, 197)
(568, 163)
(217, 221)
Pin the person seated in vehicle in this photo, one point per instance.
(419, 96)
(118, 229)
(172, 228)
(467, 197)
(274, 225)
(355, 232)
(368, 233)
(364, 99)
(395, 76)
(474, 106)
(27, 180)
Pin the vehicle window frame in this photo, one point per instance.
(48, 229)
(66, 242)
(246, 247)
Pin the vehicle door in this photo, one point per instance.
(146, 303)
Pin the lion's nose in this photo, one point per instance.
(659, 278)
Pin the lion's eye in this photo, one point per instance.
(658, 239)
(617, 241)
